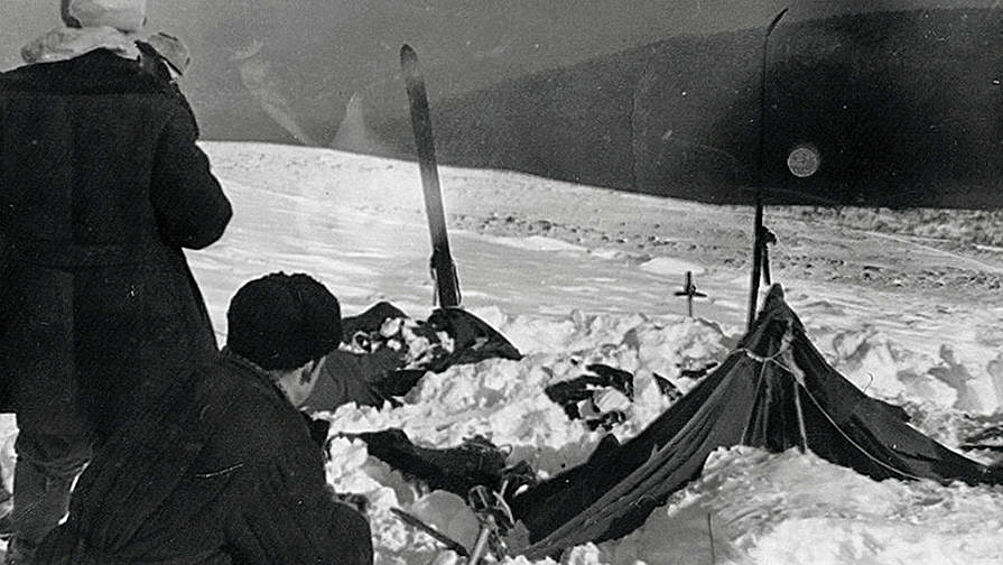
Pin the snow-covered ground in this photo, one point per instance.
(573, 275)
(556, 269)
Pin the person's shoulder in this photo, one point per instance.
(242, 403)
(98, 72)
(222, 383)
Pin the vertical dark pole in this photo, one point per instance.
(691, 290)
(757, 258)
(443, 268)
(757, 236)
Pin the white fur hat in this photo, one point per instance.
(124, 15)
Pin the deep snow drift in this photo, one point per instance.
(582, 291)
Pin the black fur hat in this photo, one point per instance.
(283, 321)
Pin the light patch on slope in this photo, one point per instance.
(536, 243)
(671, 267)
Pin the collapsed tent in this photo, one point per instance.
(386, 352)
(775, 391)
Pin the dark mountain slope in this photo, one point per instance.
(901, 109)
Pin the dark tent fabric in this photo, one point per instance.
(775, 391)
(473, 339)
(384, 372)
(458, 469)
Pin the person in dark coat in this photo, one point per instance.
(225, 471)
(101, 186)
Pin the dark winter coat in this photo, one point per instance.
(227, 473)
(101, 185)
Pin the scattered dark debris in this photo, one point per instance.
(698, 372)
(666, 387)
(582, 398)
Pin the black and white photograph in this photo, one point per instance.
(516, 282)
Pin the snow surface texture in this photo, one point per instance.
(576, 275)
(358, 224)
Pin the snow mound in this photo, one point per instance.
(504, 402)
(795, 508)
(760, 508)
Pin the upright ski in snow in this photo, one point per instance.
(443, 268)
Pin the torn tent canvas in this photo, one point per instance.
(456, 469)
(775, 391)
(386, 352)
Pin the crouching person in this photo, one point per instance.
(225, 471)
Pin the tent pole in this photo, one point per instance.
(757, 235)
(757, 260)
(801, 425)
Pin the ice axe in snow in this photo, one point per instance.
(473, 331)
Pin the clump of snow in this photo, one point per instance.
(879, 365)
(417, 345)
(886, 367)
